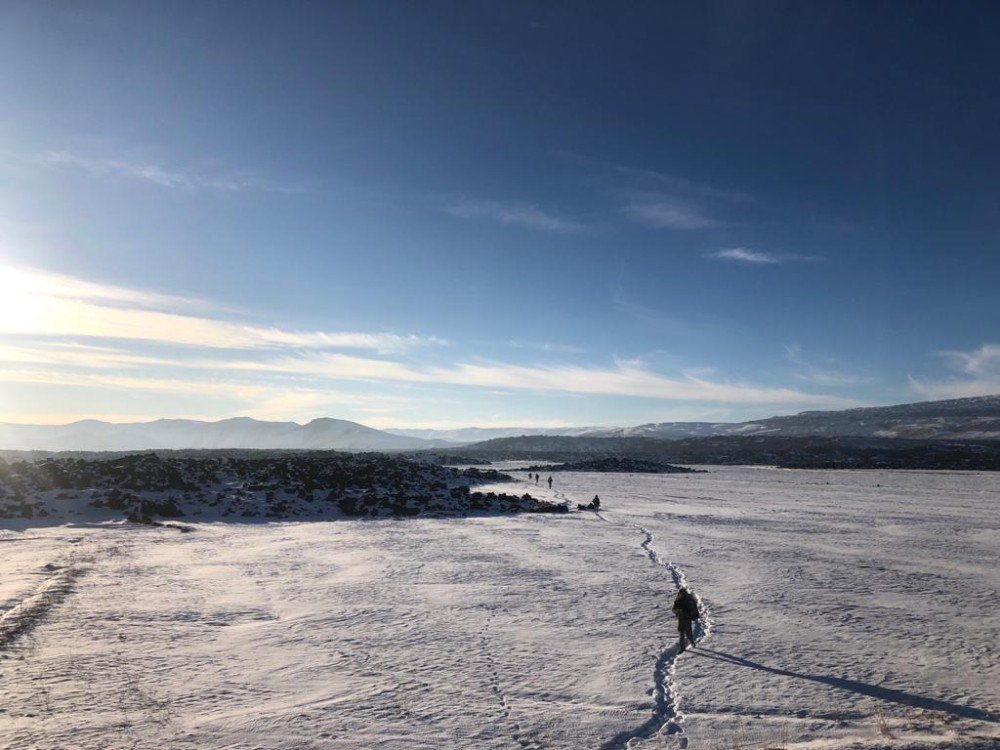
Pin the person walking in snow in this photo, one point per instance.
(550, 482)
(537, 477)
(686, 609)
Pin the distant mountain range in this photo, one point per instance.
(466, 435)
(957, 419)
(963, 418)
(178, 434)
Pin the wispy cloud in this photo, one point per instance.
(71, 333)
(519, 214)
(821, 371)
(981, 362)
(979, 375)
(160, 175)
(666, 212)
(545, 346)
(662, 321)
(665, 201)
(675, 185)
(278, 400)
(625, 378)
(755, 257)
(42, 304)
(653, 180)
(30, 283)
(743, 255)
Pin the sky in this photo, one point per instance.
(487, 213)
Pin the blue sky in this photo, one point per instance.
(496, 213)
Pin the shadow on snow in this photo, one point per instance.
(862, 688)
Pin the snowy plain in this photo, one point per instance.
(843, 609)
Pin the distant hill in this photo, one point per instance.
(241, 432)
(802, 452)
(956, 434)
(964, 418)
(956, 419)
(466, 435)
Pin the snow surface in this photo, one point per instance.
(842, 609)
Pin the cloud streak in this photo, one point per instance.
(623, 379)
(518, 214)
(158, 175)
(63, 332)
(678, 185)
(40, 304)
(825, 374)
(666, 212)
(661, 321)
(979, 375)
(756, 257)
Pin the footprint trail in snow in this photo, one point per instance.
(667, 718)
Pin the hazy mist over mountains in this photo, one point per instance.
(969, 418)
(240, 432)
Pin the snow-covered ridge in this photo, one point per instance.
(976, 418)
(147, 486)
(963, 418)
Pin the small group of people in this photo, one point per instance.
(537, 477)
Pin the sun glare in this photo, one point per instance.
(21, 305)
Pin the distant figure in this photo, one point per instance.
(686, 609)
(537, 477)
(550, 482)
(595, 504)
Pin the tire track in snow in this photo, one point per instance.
(667, 718)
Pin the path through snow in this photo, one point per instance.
(667, 719)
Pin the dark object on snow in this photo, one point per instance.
(686, 609)
(595, 504)
(550, 482)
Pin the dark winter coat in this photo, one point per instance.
(686, 605)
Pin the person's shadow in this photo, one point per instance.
(863, 688)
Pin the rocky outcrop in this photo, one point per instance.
(225, 485)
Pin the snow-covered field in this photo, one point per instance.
(842, 609)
